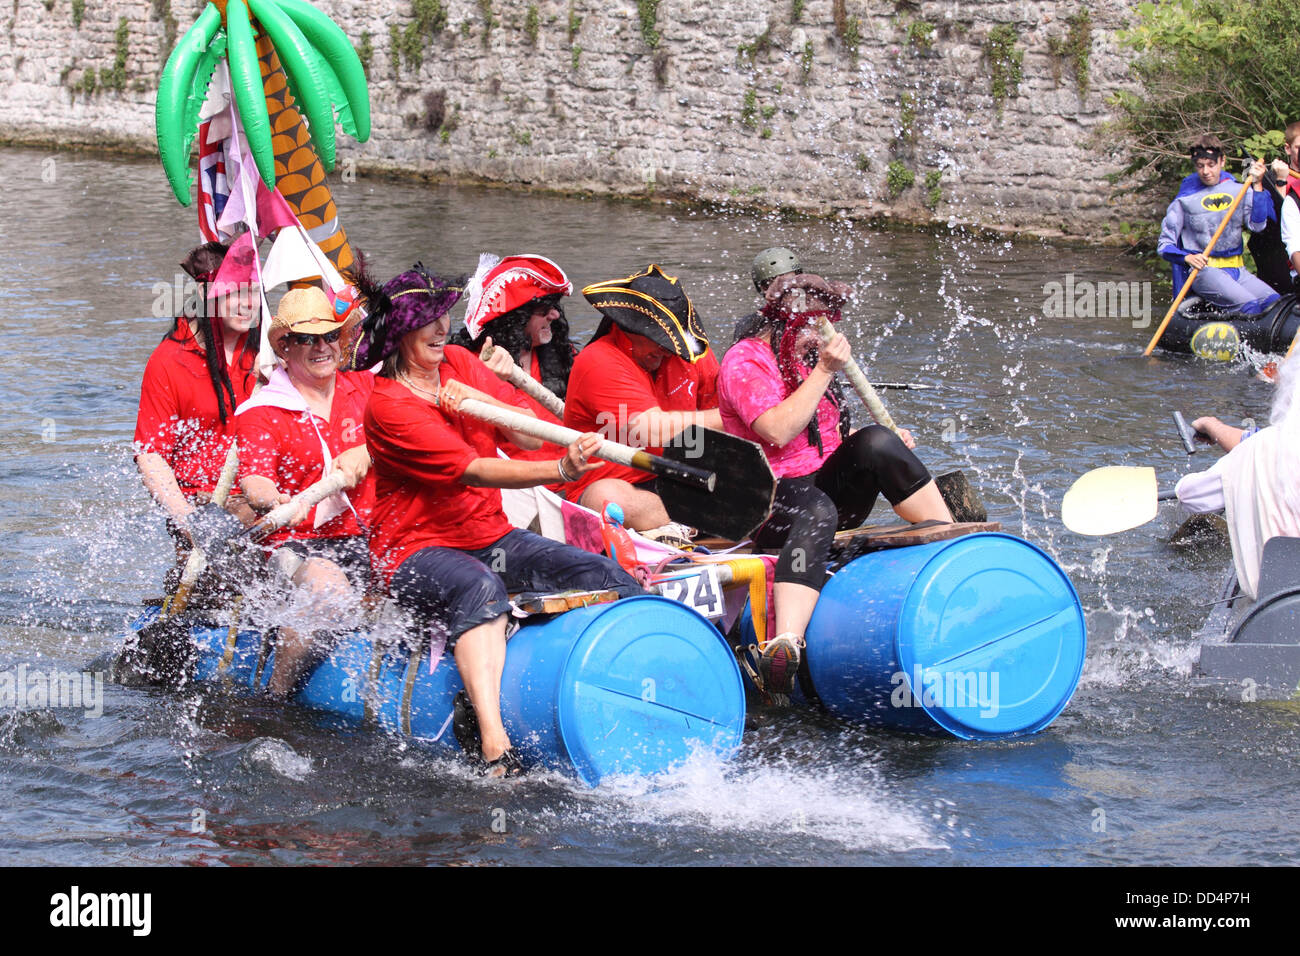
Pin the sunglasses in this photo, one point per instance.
(308, 339)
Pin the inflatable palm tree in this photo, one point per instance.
(286, 59)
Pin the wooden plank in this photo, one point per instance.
(564, 601)
(872, 538)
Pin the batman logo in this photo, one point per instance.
(1216, 201)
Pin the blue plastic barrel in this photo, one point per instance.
(630, 687)
(982, 637)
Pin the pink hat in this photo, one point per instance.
(503, 285)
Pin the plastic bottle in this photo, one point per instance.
(618, 543)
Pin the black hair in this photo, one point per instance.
(554, 359)
(201, 264)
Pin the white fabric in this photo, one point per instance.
(279, 392)
(1290, 228)
(522, 505)
(293, 256)
(1253, 492)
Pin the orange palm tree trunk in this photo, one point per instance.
(299, 175)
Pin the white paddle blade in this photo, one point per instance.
(1110, 500)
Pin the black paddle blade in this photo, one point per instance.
(214, 529)
(963, 501)
(742, 499)
(160, 653)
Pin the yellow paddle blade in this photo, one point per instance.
(1110, 500)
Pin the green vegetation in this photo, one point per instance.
(532, 24)
(162, 10)
(431, 16)
(412, 46)
(796, 11)
(115, 78)
(752, 51)
(920, 34)
(575, 23)
(648, 13)
(806, 62)
(1205, 66)
(933, 191)
(1074, 48)
(863, 163)
(366, 53)
(907, 118)
(79, 14)
(847, 28)
(88, 82)
(575, 55)
(489, 20)
(749, 110)
(395, 48)
(1006, 62)
(897, 179)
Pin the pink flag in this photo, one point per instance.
(273, 211)
(240, 269)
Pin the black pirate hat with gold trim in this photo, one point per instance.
(654, 305)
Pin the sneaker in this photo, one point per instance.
(672, 534)
(780, 663)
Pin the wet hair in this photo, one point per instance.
(554, 359)
(1206, 146)
(201, 264)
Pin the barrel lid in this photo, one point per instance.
(648, 681)
(991, 638)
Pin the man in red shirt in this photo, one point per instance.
(647, 374)
(192, 384)
(304, 424)
(439, 537)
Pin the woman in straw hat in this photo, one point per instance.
(438, 523)
(305, 423)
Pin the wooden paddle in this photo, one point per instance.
(529, 385)
(958, 494)
(279, 516)
(1112, 499)
(1164, 324)
(716, 482)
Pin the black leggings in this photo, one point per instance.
(840, 494)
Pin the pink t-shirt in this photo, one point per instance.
(749, 384)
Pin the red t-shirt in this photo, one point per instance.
(548, 451)
(607, 389)
(285, 447)
(178, 416)
(419, 456)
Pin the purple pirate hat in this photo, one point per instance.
(402, 305)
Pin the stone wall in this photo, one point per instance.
(726, 101)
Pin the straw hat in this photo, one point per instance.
(304, 310)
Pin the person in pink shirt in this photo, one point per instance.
(777, 387)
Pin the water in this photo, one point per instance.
(1144, 766)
